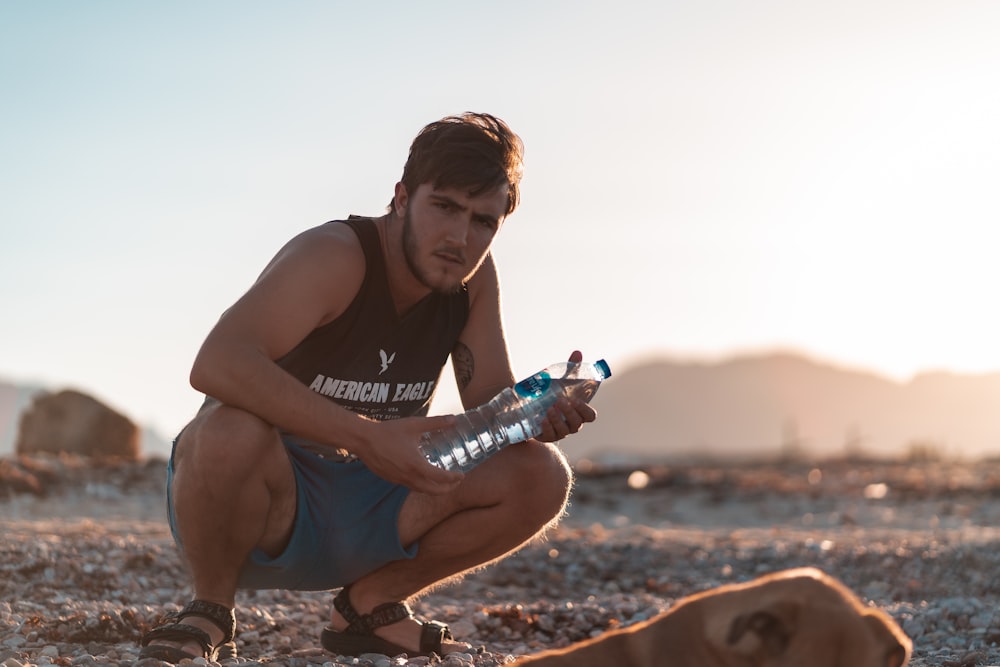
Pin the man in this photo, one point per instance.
(302, 468)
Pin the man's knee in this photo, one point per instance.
(543, 475)
(226, 436)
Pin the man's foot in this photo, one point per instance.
(389, 629)
(198, 630)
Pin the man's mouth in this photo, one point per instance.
(455, 258)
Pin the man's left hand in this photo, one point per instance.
(567, 415)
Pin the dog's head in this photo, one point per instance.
(801, 617)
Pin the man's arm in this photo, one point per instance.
(482, 363)
(310, 282)
(480, 358)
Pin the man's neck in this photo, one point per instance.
(404, 287)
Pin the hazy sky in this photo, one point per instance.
(701, 177)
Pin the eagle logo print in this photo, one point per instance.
(386, 360)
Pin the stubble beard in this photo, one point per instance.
(411, 252)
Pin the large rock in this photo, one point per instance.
(75, 423)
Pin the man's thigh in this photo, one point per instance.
(228, 452)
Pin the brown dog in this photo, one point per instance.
(794, 618)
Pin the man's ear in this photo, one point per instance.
(400, 200)
(764, 632)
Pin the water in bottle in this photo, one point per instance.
(513, 415)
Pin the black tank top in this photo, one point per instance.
(371, 360)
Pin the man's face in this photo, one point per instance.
(447, 233)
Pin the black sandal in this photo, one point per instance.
(359, 635)
(173, 630)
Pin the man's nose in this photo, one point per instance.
(458, 230)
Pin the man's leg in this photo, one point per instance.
(233, 491)
(499, 507)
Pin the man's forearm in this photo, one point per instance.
(242, 377)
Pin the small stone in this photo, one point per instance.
(462, 628)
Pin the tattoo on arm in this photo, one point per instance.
(464, 365)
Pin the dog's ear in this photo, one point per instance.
(897, 645)
(766, 631)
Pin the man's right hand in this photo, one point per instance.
(391, 450)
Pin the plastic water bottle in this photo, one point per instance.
(513, 415)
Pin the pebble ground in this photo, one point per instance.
(87, 564)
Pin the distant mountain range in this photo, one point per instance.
(748, 406)
(766, 405)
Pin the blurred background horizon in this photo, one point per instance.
(701, 181)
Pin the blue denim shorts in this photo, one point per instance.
(346, 525)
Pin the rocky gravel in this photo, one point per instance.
(87, 564)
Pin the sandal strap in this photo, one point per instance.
(432, 635)
(182, 632)
(221, 616)
(365, 624)
(342, 603)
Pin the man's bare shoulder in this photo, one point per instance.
(315, 276)
(328, 236)
(333, 246)
(485, 282)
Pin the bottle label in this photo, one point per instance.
(534, 386)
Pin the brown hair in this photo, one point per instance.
(474, 151)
